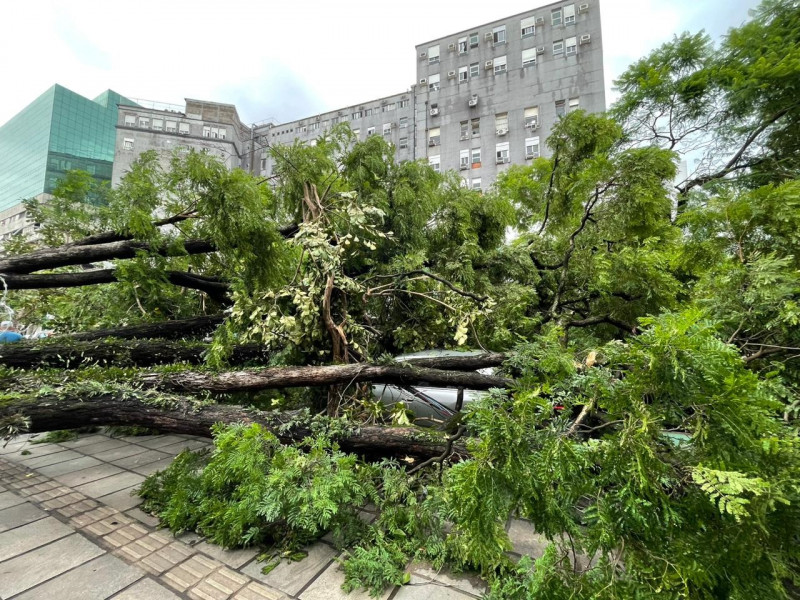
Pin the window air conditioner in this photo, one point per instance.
(501, 160)
(583, 8)
(473, 101)
(464, 166)
(586, 38)
(464, 136)
(451, 74)
(451, 47)
(488, 64)
(534, 124)
(488, 35)
(531, 155)
(423, 81)
(502, 131)
(540, 20)
(431, 143)
(434, 112)
(540, 50)
(423, 54)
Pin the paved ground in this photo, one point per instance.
(70, 528)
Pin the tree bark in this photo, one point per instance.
(184, 416)
(55, 353)
(285, 377)
(179, 328)
(63, 256)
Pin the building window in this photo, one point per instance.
(463, 159)
(387, 129)
(402, 104)
(558, 47)
(144, 122)
(574, 104)
(403, 122)
(356, 115)
(130, 120)
(127, 144)
(500, 65)
(462, 45)
(561, 108)
(569, 14)
(313, 126)
(433, 83)
(263, 164)
(343, 119)
(501, 152)
(499, 35)
(532, 147)
(476, 184)
(368, 112)
(474, 70)
(529, 57)
(433, 54)
(435, 162)
(476, 158)
(528, 26)
(172, 126)
(389, 107)
(473, 40)
(464, 130)
(434, 138)
(463, 74)
(403, 143)
(501, 123)
(532, 117)
(356, 132)
(370, 131)
(555, 17)
(158, 124)
(572, 45)
(475, 125)
(206, 131)
(183, 129)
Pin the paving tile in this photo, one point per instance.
(46, 455)
(20, 514)
(470, 583)
(9, 499)
(68, 466)
(62, 501)
(291, 577)
(146, 589)
(220, 585)
(123, 452)
(143, 517)
(12, 447)
(190, 572)
(107, 525)
(143, 458)
(166, 558)
(328, 586)
(30, 536)
(232, 558)
(100, 448)
(159, 465)
(421, 589)
(93, 515)
(75, 479)
(257, 591)
(164, 440)
(109, 485)
(51, 494)
(137, 439)
(25, 571)
(525, 540)
(98, 578)
(125, 535)
(85, 440)
(79, 507)
(185, 445)
(123, 499)
(144, 546)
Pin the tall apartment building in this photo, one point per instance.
(484, 98)
(57, 132)
(204, 126)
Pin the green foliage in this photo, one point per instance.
(54, 437)
(375, 568)
(251, 490)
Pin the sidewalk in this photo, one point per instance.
(70, 528)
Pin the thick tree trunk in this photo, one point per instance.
(179, 328)
(63, 256)
(185, 416)
(119, 353)
(285, 377)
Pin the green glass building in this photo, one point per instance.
(57, 132)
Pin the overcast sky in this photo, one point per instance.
(282, 60)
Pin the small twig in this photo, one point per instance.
(448, 450)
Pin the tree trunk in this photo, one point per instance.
(185, 416)
(55, 353)
(179, 328)
(285, 377)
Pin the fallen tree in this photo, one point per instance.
(174, 329)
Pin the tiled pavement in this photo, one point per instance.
(70, 528)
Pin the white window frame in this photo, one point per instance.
(206, 131)
(474, 154)
(475, 127)
(571, 46)
(474, 70)
(403, 122)
(529, 57)
(433, 54)
(356, 115)
(435, 161)
(130, 120)
(569, 14)
(528, 27)
(463, 45)
(171, 126)
(502, 152)
(127, 143)
(370, 131)
(387, 129)
(474, 39)
(463, 74)
(433, 82)
(531, 115)
(499, 35)
(561, 108)
(556, 17)
(434, 136)
(500, 64)
(532, 149)
(558, 47)
(475, 184)
(158, 124)
(402, 143)
(574, 104)
(463, 159)
(144, 122)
